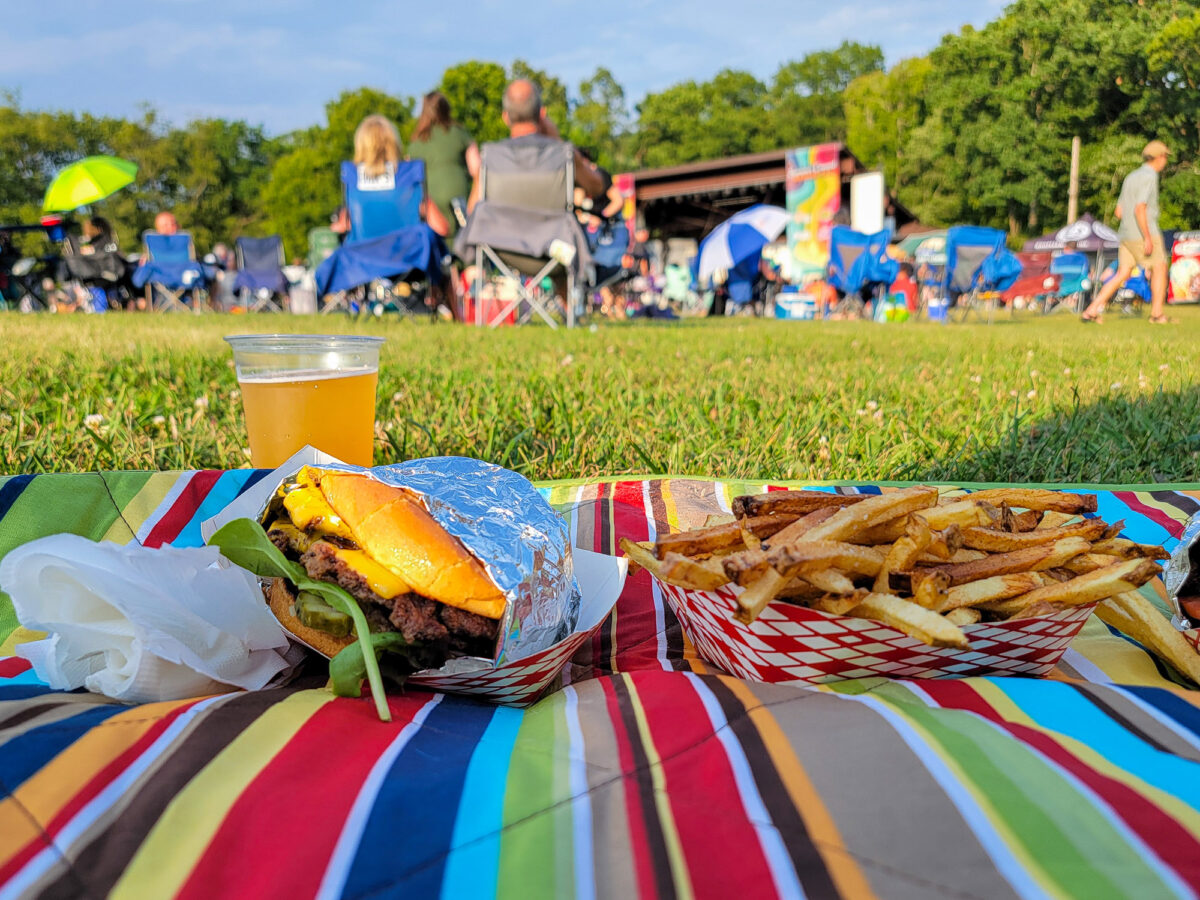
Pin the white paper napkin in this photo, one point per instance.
(141, 625)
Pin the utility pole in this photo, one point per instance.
(1073, 189)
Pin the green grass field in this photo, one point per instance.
(1024, 400)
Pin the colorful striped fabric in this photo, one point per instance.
(648, 774)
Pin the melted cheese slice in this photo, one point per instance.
(311, 512)
(382, 581)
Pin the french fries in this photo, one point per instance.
(1133, 614)
(925, 565)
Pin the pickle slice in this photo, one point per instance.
(314, 612)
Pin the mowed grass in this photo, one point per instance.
(1025, 400)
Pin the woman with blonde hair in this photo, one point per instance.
(377, 152)
(376, 145)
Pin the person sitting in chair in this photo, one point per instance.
(526, 119)
(377, 151)
(166, 223)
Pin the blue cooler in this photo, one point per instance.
(937, 310)
(795, 305)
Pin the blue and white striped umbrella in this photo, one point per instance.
(740, 237)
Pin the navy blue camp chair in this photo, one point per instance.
(388, 241)
(858, 266)
(171, 275)
(1072, 270)
(260, 279)
(979, 267)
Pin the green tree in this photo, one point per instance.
(1007, 100)
(599, 119)
(475, 91)
(703, 120)
(882, 109)
(806, 98)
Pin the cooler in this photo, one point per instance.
(795, 304)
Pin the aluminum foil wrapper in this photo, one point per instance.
(522, 542)
(1181, 577)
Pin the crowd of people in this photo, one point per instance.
(629, 275)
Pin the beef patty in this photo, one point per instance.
(419, 619)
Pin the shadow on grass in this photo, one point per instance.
(1153, 438)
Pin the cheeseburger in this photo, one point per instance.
(379, 544)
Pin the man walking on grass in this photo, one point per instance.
(1141, 240)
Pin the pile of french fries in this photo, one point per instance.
(923, 564)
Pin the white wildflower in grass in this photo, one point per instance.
(1115, 386)
(1034, 373)
(1164, 367)
(566, 360)
(1067, 371)
(878, 417)
(234, 394)
(860, 412)
(5, 419)
(1031, 394)
(201, 402)
(93, 421)
(823, 453)
(872, 405)
(976, 379)
(1012, 393)
(823, 440)
(159, 420)
(109, 402)
(1029, 354)
(398, 396)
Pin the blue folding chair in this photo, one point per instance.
(388, 241)
(1072, 270)
(979, 267)
(858, 265)
(1135, 292)
(260, 279)
(171, 275)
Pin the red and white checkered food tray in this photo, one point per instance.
(511, 684)
(797, 644)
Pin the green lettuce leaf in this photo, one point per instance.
(348, 669)
(245, 543)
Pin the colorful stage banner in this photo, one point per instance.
(814, 195)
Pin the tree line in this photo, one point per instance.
(977, 131)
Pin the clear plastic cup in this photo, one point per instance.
(300, 389)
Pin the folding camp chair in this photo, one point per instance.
(858, 263)
(388, 240)
(1073, 283)
(322, 241)
(524, 225)
(979, 267)
(260, 279)
(171, 275)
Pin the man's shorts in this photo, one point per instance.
(1133, 253)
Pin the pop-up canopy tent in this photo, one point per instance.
(1088, 235)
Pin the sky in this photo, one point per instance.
(276, 63)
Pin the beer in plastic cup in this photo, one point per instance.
(300, 389)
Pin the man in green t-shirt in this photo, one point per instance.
(1141, 239)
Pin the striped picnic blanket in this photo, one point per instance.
(647, 774)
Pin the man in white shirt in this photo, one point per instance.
(1141, 239)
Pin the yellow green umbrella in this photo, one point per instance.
(87, 181)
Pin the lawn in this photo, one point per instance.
(1024, 400)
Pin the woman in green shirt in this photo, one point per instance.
(451, 156)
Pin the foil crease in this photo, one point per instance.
(523, 543)
(1179, 570)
